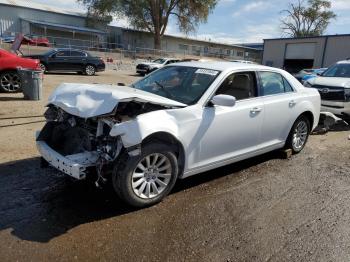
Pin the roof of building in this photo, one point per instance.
(222, 66)
(48, 8)
(306, 37)
(192, 39)
(66, 27)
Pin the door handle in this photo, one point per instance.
(292, 103)
(255, 110)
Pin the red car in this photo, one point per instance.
(36, 41)
(10, 80)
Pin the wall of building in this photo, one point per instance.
(328, 50)
(10, 18)
(338, 48)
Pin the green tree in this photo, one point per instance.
(307, 18)
(153, 15)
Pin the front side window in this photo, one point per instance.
(338, 70)
(240, 85)
(274, 83)
(62, 53)
(182, 84)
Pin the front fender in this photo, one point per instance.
(132, 132)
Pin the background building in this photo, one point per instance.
(294, 54)
(66, 28)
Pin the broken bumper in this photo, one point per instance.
(72, 165)
(337, 108)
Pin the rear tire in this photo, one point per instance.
(10, 82)
(90, 70)
(298, 135)
(146, 179)
(43, 67)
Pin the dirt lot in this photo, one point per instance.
(263, 209)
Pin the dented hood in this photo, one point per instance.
(89, 100)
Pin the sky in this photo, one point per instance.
(240, 21)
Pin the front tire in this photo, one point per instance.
(10, 82)
(90, 70)
(146, 179)
(298, 135)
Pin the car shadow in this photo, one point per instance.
(37, 205)
(8, 98)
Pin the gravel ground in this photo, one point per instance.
(263, 209)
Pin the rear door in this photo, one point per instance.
(78, 60)
(60, 61)
(280, 101)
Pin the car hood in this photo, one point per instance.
(330, 81)
(90, 100)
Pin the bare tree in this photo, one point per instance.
(153, 15)
(307, 18)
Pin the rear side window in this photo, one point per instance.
(274, 83)
(240, 85)
(77, 53)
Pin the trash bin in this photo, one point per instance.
(32, 83)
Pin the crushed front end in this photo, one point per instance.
(77, 146)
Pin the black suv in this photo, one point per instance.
(70, 60)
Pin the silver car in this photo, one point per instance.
(179, 121)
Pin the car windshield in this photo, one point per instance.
(338, 70)
(159, 61)
(180, 83)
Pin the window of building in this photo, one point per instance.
(183, 47)
(240, 53)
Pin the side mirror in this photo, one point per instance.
(319, 74)
(223, 100)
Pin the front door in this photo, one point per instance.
(232, 131)
(60, 61)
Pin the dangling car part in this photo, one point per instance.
(180, 120)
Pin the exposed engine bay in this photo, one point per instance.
(87, 142)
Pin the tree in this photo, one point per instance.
(153, 15)
(310, 18)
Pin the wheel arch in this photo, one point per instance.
(169, 139)
(310, 116)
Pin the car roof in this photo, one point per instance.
(224, 66)
(344, 62)
(68, 49)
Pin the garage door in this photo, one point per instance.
(301, 51)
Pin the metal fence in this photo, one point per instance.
(118, 53)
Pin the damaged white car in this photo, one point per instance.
(181, 120)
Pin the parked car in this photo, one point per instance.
(7, 39)
(313, 74)
(10, 81)
(334, 88)
(243, 61)
(36, 41)
(148, 67)
(179, 121)
(70, 60)
(303, 73)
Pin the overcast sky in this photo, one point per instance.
(241, 21)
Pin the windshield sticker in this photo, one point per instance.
(207, 72)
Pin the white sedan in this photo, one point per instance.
(181, 120)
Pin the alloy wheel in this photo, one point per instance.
(151, 176)
(10, 82)
(300, 135)
(90, 70)
(43, 67)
